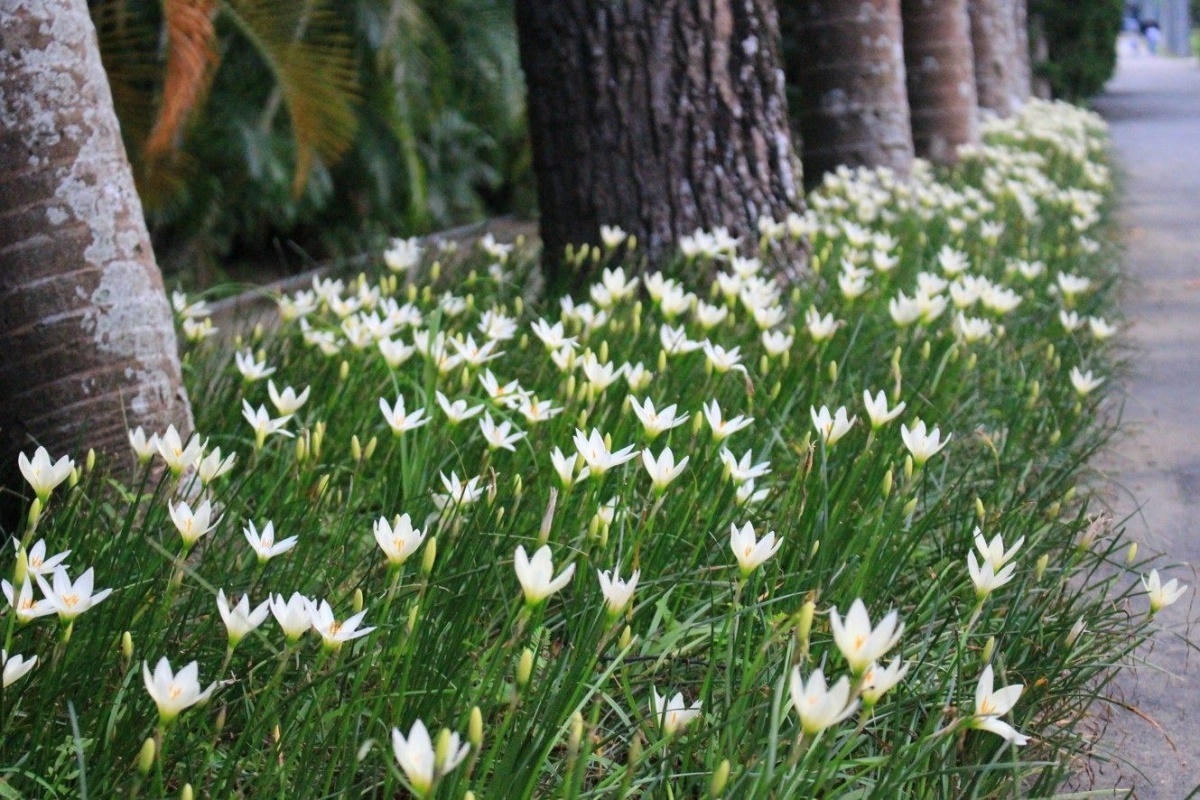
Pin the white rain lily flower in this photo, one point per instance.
(859, 643)
(287, 402)
(972, 329)
(722, 428)
(43, 474)
(993, 552)
(190, 310)
(766, 317)
(212, 466)
(174, 692)
(536, 411)
(14, 667)
(395, 352)
(986, 578)
(921, 444)
(36, 562)
(617, 592)
(744, 469)
(71, 599)
(263, 425)
(904, 310)
(818, 705)
(498, 437)
(457, 494)
(656, 422)
(1072, 285)
(565, 467)
(292, 615)
(833, 427)
(709, 316)
(991, 705)
(877, 680)
(596, 453)
(475, 354)
(750, 551)
(953, 262)
(820, 327)
(458, 411)
(398, 418)
(853, 282)
(507, 395)
(600, 376)
(251, 369)
(776, 343)
(877, 410)
(264, 543)
(930, 284)
(612, 236)
(675, 341)
(931, 306)
(999, 299)
(747, 495)
(198, 330)
(240, 619)
(663, 470)
(553, 336)
(23, 605)
(334, 633)
(1070, 320)
(536, 575)
(1084, 382)
(399, 539)
(1162, 595)
(496, 326)
(402, 254)
(672, 715)
(424, 765)
(722, 360)
(1101, 329)
(143, 448)
(496, 250)
(192, 524)
(637, 377)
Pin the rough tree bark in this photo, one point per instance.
(849, 62)
(87, 342)
(1001, 63)
(940, 66)
(660, 116)
(1023, 74)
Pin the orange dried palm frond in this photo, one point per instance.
(191, 59)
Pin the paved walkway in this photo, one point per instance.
(1153, 106)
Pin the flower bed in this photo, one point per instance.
(677, 538)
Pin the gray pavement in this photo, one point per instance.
(1153, 107)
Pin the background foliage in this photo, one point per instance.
(1082, 44)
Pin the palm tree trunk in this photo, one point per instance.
(1023, 73)
(849, 63)
(87, 342)
(660, 116)
(997, 68)
(941, 77)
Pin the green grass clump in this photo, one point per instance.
(977, 298)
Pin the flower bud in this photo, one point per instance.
(1039, 569)
(833, 371)
(369, 450)
(187, 793)
(126, 649)
(662, 360)
(356, 451)
(358, 600)
(1054, 510)
(518, 486)
(429, 557)
(910, 507)
(475, 728)
(548, 518)
(344, 370)
(925, 351)
(1131, 554)
(410, 623)
(89, 463)
(519, 307)
(776, 390)
(989, 648)
(35, 513)
(626, 638)
(576, 735)
(887, 483)
(720, 777)
(980, 512)
(145, 757)
(1074, 634)
(525, 668)
(442, 752)
(322, 485)
(908, 468)
(1056, 436)
(435, 271)
(219, 723)
(804, 621)
(301, 448)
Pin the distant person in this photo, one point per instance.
(1152, 33)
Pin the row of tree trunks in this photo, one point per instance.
(87, 343)
(939, 61)
(660, 116)
(999, 35)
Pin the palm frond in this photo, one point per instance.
(191, 59)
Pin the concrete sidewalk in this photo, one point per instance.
(1153, 106)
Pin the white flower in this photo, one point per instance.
(904, 310)
(262, 423)
(395, 352)
(858, 641)
(722, 428)
(672, 715)
(177, 455)
(212, 466)
(617, 592)
(403, 254)
(398, 540)
(240, 619)
(553, 336)
(675, 341)
(877, 410)
(536, 574)
(600, 376)
(972, 329)
(923, 445)
(612, 236)
(1101, 329)
(198, 330)
(831, 428)
(986, 578)
(710, 316)
(747, 495)
(144, 448)
(743, 470)
(565, 467)
(749, 550)
(495, 249)
(663, 470)
(498, 437)
(766, 317)
(497, 326)
(776, 343)
(457, 493)
(638, 377)
(1162, 595)
(655, 422)
(14, 668)
(993, 552)
(595, 452)
(287, 402)
(71, 599)
(876, 681)
(507, 395)
(334, 633)
(999, 299)
(190, 310)
(1070, 320)
(173, 692)
(476, 354)
(43, 474)
(292, 615)
(23, 604)
(991, 705)
(36, 562)
(722, 360)
(419, 760)
(1071, 285)
(820, 327)
(264, 543)
(458, 411)
(1084, 382)
(251, 369)
(398, 418)
(536, 411)
(952, 262)
(817, 705)
(191, 524)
